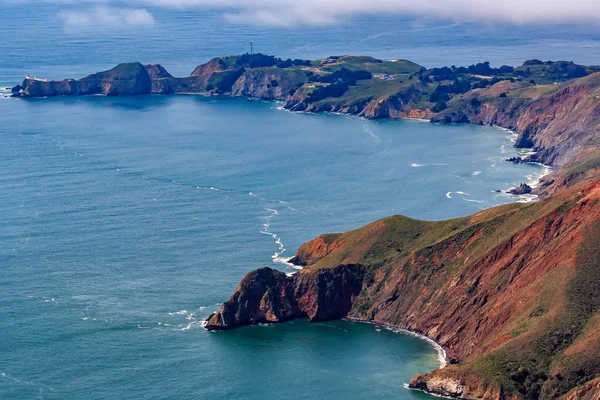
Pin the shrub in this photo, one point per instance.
(342, 75)
(439, 106)
(534, 61)
(475, 102)
(334, 90)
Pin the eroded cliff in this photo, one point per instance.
(512, 293)
(553, 106)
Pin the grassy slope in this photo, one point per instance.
(547, 348)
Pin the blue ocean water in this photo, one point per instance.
(126, 221)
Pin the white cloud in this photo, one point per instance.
(320, 12)
(326, 12)
(102, 17)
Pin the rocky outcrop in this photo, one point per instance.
(588, 391)
(157, 71)
(560, 121)
(523, 188)
(124, 79)
(266, 295)
(495, 289)
(269, 83)
(311, 252)
(456, 384)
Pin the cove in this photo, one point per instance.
(128, 220)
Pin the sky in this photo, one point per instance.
(293, 13)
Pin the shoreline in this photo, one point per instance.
(534, 183)
(442, 355)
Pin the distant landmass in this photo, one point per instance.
(512, 293)
(550, 104)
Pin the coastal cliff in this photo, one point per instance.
(511, 293)
(124, 79)
(266, 295)
(552, 106)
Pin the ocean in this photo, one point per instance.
(127, 221)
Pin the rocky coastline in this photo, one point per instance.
(550, 105)
(512, 293)
(483, 287)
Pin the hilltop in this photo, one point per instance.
(552, 105)
(512, 293)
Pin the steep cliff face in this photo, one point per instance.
(269, 83)
(124, 79)
(452, 382)
(502, 290)
(266, 295)
(561, 121)
(157, 71)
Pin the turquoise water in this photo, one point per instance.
(126, 221)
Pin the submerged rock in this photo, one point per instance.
(515, 160)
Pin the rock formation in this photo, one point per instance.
(266, 295)
(523, 188)
(512, 293)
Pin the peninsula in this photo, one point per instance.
(512, 293)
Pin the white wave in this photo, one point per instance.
(202, 308)
(181, 312)
(415, 165)
(372, 134)
(449, 194)
(527, 198)
(534, 178)
(5, 92)
(277, 255)
(27, 383)
(473, 201)
(193, 324)
(441, 353)
(475, 173)
(405, 385)
(285, 261)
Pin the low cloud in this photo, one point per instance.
(103, 17)
(327, 12)
(322, 12)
